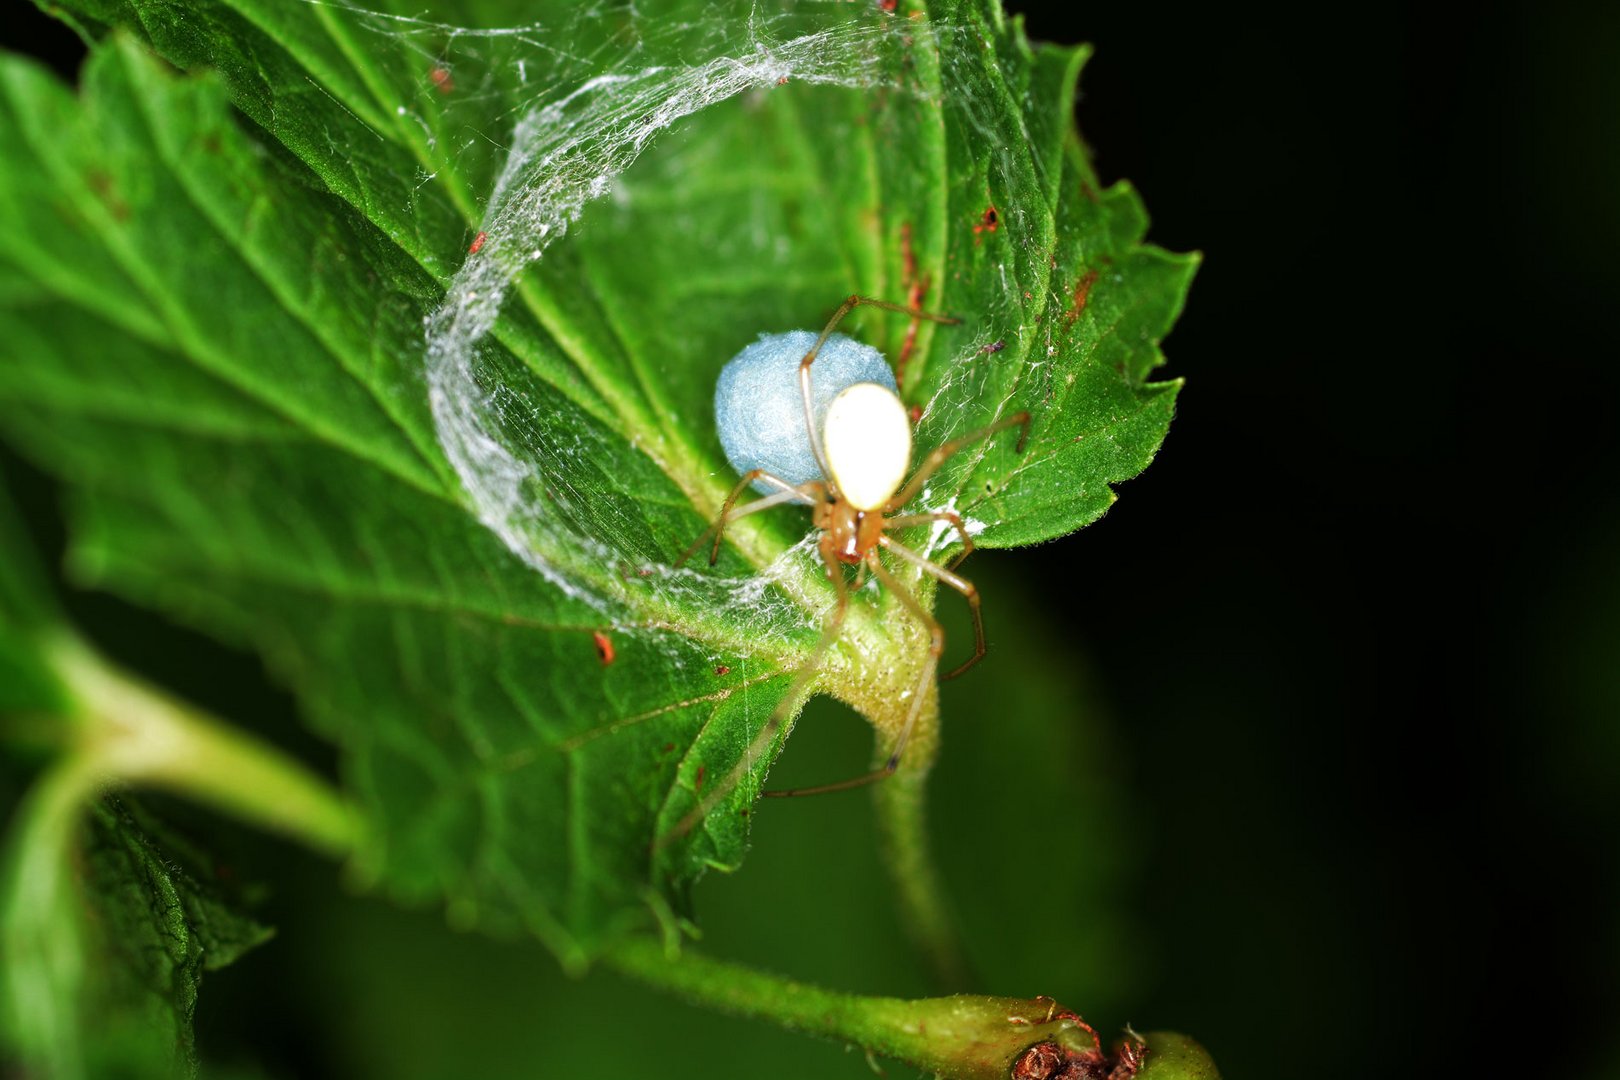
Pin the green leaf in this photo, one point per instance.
(106, 945)
(159, 921)
(221, 326)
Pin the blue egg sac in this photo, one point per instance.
(759, 410)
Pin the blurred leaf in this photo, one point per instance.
(159, 919)
(25, 599)
(27, 615)
(220, 324)
(107, 919)
(106, 945)
(27, 684)
(1033, 812)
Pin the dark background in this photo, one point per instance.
(1357, 628)
(1370, 668)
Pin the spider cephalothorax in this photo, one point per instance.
(847, 533)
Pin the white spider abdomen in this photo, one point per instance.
(867, 439)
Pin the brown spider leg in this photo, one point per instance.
(849, 304)
(773, 724)
(787, 493)
(906, 521)
(936, 646)
(933, 461)
(961, 585)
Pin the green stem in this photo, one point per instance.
(131, 732)
(965, 1037)
(901, 809)
(741, 991)
(900, 805)
(44, 966)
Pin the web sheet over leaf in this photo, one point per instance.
(223, 323)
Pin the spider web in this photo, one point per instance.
(566, 150)
(556, 115)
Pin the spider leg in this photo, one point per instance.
(934, 460)
(906, 521)
(788, 493)
(849, 304)
(773, 724)
(936, 646)
(961, 585)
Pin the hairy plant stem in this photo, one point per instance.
(900, 803)
(882, 693)
(965, 1037)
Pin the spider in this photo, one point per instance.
(863, 449)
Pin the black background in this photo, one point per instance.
(1374, 661)
(1362, 615)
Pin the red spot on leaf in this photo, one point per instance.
(1082, 293)
(908, 257)
(989, 221)
(916, 291)
(697, 784)
(107, 191)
